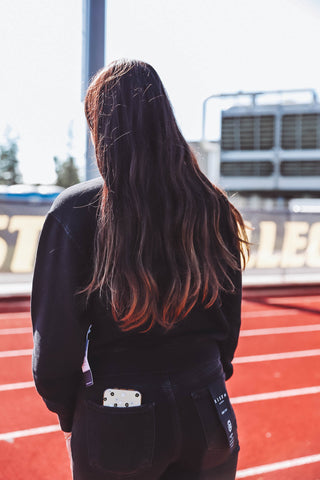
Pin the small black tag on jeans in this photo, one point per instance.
(88, 379)
(224, 409)
(87, 373)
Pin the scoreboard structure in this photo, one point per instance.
(271, 147)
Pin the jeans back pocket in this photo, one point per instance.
(120, 440)
(217, 417)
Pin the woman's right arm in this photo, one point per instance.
(59, 321)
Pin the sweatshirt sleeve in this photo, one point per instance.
(230, 307)
(59, 320)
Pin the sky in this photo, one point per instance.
(199, 48)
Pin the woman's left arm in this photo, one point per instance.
(59, 319)
(231, 309)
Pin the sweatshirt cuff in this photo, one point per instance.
(228, 370)
(66, 421)
(65, 415)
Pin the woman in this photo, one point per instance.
(149, 256)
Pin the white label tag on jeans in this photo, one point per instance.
(224, 409)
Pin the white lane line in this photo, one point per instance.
(10, 315)
(243, 333)
(16, 353)
(16, 386)
(288, 300)
(270, 313)
(273, 467)
(9, 436)
(246, 359)
(279, 330)
(273, 395)
(15, 331)
(277, 356)
(235, 400)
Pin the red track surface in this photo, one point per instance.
(271, 429)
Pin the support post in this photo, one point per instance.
(93, 58)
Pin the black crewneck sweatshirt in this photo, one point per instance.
(61, 316)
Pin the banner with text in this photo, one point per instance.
(285, 245)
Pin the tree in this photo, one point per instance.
(67, 172)
(9, 170)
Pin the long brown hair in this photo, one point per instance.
(166, 237)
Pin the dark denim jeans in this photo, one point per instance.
(185, 428)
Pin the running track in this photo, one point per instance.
(275, 392)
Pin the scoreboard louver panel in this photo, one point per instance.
(300, 168)
(247, 132)
(247, 168)
(300, 131)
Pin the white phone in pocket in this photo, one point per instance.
(117, 397)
